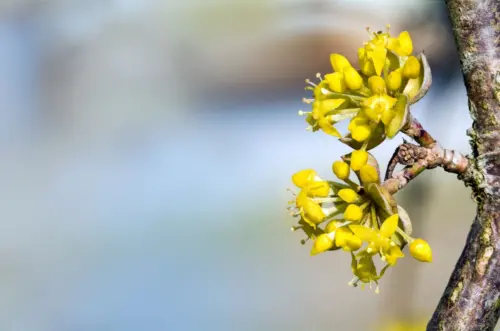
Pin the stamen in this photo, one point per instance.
(303, 241)
(371, 34)
(388, 28)
(377, 290)
(309, 128)
(290, 190)
(318, 75)
(307, 100)
(310, 83)
(354, 282)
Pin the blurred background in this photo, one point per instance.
(146, 147)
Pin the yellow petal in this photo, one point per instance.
(330, 104)
(327, 126)
(361, 132)
(348, 195)
(353, 243)
(339, 62)
(368, 174)
(389, 226)
(378, 55)
(412, 67)
(318, 189)
(313, 213)
(352, 78)
(336, 82)
(332, 226)
(358, 159)
(405, 44)
(394, 80)
(322, 243)
(364, 233)
(376, 84)
(341, 169)
(303, 177)
(353, 213)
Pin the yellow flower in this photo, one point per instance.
(421, 250)
(377, 105)
(402, 45)
(341, 169)
(393, 255)
(390, 72)
(364, 270)
(379, 240)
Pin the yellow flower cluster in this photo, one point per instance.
(362, 219)
(376, 97)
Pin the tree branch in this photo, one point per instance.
(471, 300)
(417, 159)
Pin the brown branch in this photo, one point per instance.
(414, 129)
(471, 300)
(417, 159)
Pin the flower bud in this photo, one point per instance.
(348, 195)
(339, 62)
(353, 213)
(312, 212)
(368, 174)
(361, 132)
(389, 226)
(341, 169)
(411, 69)
(421, 250)
(303, 177)
(318, 189)
(358, 159)
(376, 84)
(394, 80)
(352, 78)
(336, 82)
(330, 104)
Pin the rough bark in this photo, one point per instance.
(471, 300)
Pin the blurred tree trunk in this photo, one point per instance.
(471, 300)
